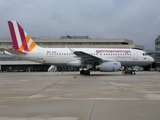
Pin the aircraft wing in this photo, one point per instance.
(85, 57)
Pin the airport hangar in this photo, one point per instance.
(8, 63)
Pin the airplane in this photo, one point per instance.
(104, 59)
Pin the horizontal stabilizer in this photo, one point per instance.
(11, 51)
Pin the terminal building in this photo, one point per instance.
(157, 50)
(8, 63)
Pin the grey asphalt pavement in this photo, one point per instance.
(70, 96)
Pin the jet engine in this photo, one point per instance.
(109, 66)
(76, 64)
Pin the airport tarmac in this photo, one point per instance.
(70, 96)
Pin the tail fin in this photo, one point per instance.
(20, 39)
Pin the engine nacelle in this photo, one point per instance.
(109, 66)
(76, 64)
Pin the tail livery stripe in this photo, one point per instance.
(30, 43)
(18, 38)
(21, 40)
(13, 35)
(32, 46)
(22, 35)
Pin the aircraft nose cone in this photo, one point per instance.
(151, 59)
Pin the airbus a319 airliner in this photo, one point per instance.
(106, 60)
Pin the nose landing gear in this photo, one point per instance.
(129, 70)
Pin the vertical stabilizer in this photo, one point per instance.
(20, 39)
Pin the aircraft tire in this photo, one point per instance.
(82, 72)
(87, 72)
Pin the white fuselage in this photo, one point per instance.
(62, 56)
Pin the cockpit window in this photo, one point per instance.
(145, 54)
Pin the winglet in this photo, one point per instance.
(20, 39)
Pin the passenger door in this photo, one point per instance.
(40, 55)
(135, 55)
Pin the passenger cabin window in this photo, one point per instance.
(145, 54)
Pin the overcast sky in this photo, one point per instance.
(137, 20)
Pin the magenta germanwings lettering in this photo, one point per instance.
(113, 51)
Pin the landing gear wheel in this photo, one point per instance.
(82, 72)
(87, 72)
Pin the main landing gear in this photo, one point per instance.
(128, 70)
(85, 72)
